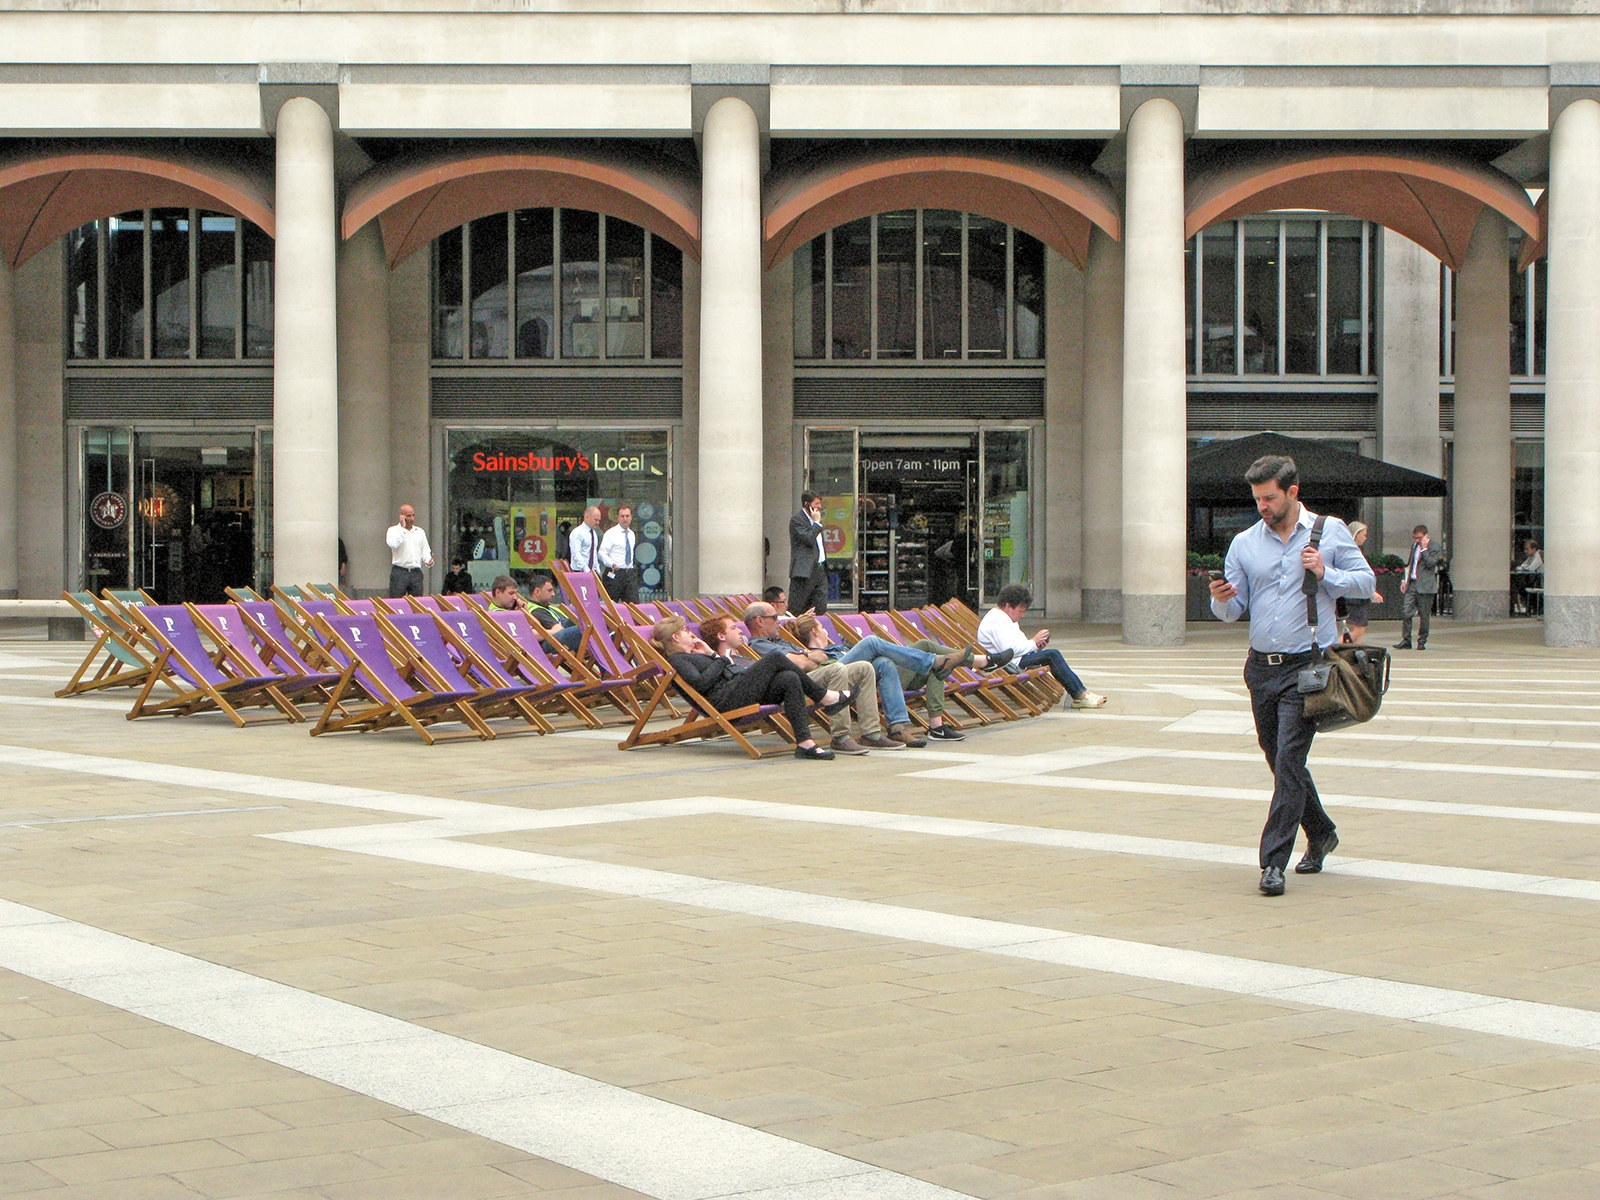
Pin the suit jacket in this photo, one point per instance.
(1427, 581)
(803, 558)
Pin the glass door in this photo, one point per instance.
(1006, 511)
(107, 508)
(831, 474)
(194, 513)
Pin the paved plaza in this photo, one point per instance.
(1033, 964)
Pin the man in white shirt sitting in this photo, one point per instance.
(409, 552)
(617, 562)
(999, 631)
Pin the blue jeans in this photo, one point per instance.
(569, 637)
(885, 657)
(1053, 658)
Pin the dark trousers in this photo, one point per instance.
(1419, 605)
(622, 585)
(809, 593)
(406, 581)
(772, 680)
(1057, 662)
(1285, 736)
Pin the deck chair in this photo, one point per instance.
(427, 604)
(247, 594)
(398, 695)
(473, 600)
(964, 687)
(127, 657)
(703, 721)
(521, 638)
(492, 664)
(202, 680)
(420, 636)
(261, 653)
(298, 651)
(1032, 691)
(599, 648)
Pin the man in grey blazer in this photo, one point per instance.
(1419, 588)
(808, 584)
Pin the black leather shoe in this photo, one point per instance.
(816, 753)
(999, 659)
(1272, 881)
(1402, 645)
(1311, 862)
(1422, 645)
(845, 700)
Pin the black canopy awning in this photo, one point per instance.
(1216, 471)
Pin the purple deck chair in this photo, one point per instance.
(593, 610)
(201, 680)
(420, 635)
(401, 695)
(492, 665)
(514, 632)
(261, 653)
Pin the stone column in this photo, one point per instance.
(780, 495)
(305, 376)
(1154, 399)
(1102, 430)
(731, 463)
(1481, 545)
(1572, 381)
(410, 346)
(686, 487)
(8, 435)
(364, 509)
(1408, 382)
(39, 315)
(1063, 440)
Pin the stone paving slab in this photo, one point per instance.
(898, 1060)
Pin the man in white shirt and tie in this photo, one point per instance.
(617, 561)
(409, 552)
(583, 543)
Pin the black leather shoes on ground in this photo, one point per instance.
(1311, 863)
(816, 753)
(1272, 881)
(843, 702)
(1402, 645)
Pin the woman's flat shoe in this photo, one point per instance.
(845, 700)
(815, 753)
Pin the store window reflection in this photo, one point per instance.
(514, 497)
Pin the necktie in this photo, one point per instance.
(591, 549)
(627, 551)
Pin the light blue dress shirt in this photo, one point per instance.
(1267, 573)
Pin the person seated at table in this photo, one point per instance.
(728, 683)
(1526, 574)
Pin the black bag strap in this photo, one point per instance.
(1308, 585)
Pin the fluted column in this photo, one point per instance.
(1154, 415)
(1480, 551)
(364, 455)
(305, 385)
(8, 434)
(731, 458)
(1102, 430)
(1572, 381)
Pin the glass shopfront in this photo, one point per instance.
(514, 495)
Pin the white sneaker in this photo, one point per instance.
(1088, 700)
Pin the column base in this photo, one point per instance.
(1571, 620)
(1102, 606)
(1482, 606)
(1153, 620)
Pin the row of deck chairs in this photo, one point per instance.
(423, 662)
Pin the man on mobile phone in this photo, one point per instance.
(1263, 574)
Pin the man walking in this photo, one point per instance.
(1419, 589)
(616, 558)
(1265, 574)
(409, 552)
(583, 544)
(808, 583)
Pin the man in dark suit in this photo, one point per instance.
(808, 584)
(1419, 588)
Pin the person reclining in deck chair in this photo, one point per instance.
(729, 684)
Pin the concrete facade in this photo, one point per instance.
(353, 362)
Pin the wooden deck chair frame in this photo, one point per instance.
(197, 694)
(591, 648)
(509, 662)
(128, 658)
(517, 705)
(703, 721)
(1010, 696)
(617, 693)
(298, 687)
(386, 710)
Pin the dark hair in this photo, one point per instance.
(502, 582)
(540, 578)
(1416, 529)
(1013, 595)
(773, 594)
(1273, 468)
(807, 497)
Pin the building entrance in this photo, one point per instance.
(174, 512)
(913, 518)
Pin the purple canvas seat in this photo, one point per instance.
(224, 623)
(401, 693)
(593, 610)
(363, 608)
(430, 604)
(515, 633)
(201, 680)
(492, 664)
(419, 635)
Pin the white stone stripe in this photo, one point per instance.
(651, 1146)
(189, 812)
(1551, 1024)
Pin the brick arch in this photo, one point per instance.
(416, 199)
(1055, 202)
(1433, 197)
(43, 197)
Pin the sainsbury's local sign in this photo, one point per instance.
(572, 463)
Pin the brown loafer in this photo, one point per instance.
(877, 741)
(848, 745)
(906, 736)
